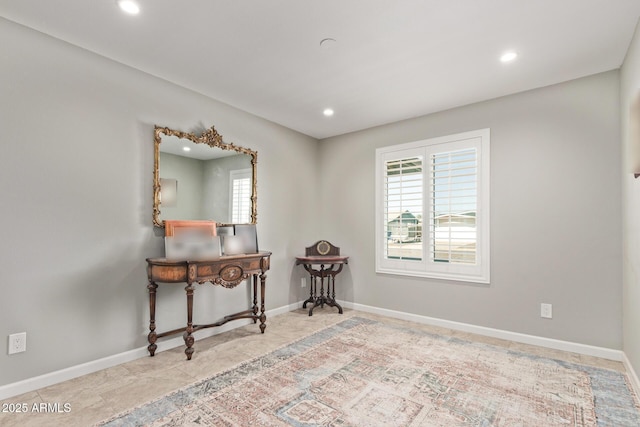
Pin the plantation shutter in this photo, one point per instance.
(403, 208)
(433, 206)
(453, 206)
(240, 198)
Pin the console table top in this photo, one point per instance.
(322, 259)
(165, 261)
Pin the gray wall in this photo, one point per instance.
(555, 214)
(190, 176)
(76, 134)
(630, 94)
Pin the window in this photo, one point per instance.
(432, 208)
(240, 191)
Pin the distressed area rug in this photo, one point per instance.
(366, 373)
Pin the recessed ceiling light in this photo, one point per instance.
(129, 6)
(328, 112)
(508, 56)
(186, 148)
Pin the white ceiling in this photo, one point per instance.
(392, 60)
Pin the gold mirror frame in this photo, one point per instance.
(213, 139)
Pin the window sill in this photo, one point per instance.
(436, 275)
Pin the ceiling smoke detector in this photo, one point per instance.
(327, 43)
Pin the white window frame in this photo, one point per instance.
(243, 203)
(478, 272)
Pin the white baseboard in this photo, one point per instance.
(605, 353)
(631, 373)
(41, 381)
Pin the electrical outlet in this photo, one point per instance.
(17, 343)
(303, 282)
(546, 311)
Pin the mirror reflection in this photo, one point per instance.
(203, 178)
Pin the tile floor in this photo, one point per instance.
(100, 395)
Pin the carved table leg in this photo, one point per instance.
(188, 335)
(263, 317)
(322, 276)
(333, 292)
(152, 318)
(255, 298)
(312, 290)
(314, 300)
(319, 300)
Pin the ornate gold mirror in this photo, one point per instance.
(202, 178)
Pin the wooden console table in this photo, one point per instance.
(328, 257)
(227, 271)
